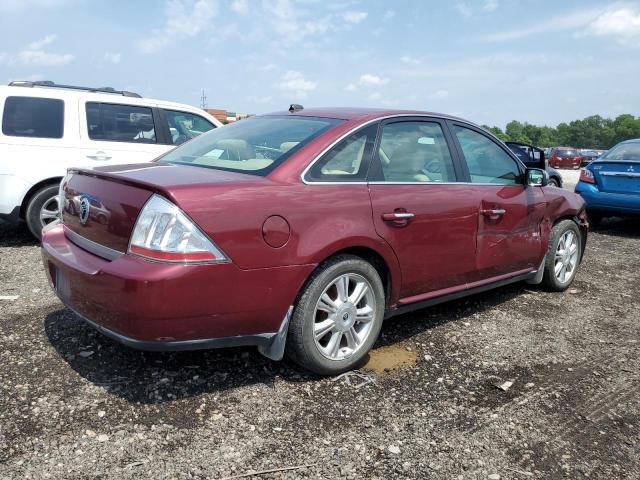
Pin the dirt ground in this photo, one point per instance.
(74, 404)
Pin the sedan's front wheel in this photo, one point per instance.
(563, 255)
(338, 316)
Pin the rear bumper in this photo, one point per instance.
(157, 306)
(12, 192)
(612, 203)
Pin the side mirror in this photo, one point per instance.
(536, 177)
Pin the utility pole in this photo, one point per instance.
(203, 100)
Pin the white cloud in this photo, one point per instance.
(439, 95)
(354, 17)
(370, 80)
(388, 15)
(464, 9)
(623, 23)
(34, 55)
(43, 42)
(112, 57)
(490, 5)
(409, 60)
(183, 19)
(30, 4)
(240, 6)
(619, 21)
(294, 83)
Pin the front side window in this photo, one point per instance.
(184, 126)
(256, 145)
(348, 161)
(486, 161)
(415, 151)
(120, 123)
(33, 117)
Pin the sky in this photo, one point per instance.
(490, 61)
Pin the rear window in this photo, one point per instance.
(561, 152)
(625, 151)
(33, 117)
(255, 145)
(120, 123)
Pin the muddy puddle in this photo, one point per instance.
(387, 359)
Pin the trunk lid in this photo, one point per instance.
(617, 177)
(102, 204)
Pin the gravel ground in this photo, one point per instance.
(73, 404)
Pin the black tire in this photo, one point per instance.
(550, 281)
(38, 200)
(301, 346)
(553, 183)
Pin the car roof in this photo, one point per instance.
(53, 92)
(354, 113)
(631, 140)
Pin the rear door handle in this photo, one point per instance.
(493, 212)
(392, 217)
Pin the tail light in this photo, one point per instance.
(164, 233)
(587, 176)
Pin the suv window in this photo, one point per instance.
(415, 151)
(120, 123)
(184, 126)
(486, 160)
(33, 117)
(348, 160)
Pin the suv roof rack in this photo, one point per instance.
(50, 84)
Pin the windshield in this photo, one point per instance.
(624, 151)
(255, 145)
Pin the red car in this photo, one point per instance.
(301, 231)
(564, 157)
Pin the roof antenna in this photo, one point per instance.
(294, 107)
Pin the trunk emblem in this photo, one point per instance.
(84, 210)
(630, 169)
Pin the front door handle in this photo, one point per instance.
(493, 212)
(392, 217)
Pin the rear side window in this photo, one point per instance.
(415, 152)
(486, 161)
(348, 161)
(33, 117)
(120, 123)
(184, 126)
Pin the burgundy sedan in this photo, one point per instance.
(299, 232)
(564, 157)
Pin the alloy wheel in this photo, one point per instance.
(566, 258)
(49, 211)
(343, 317)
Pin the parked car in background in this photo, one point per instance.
(534, 157)
(47, 128)
(610, 185)
(302, 230)
(564, 157)
(589, 156)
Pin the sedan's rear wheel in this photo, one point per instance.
(553, 182)
(338, 316)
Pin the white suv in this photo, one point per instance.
(47, 128)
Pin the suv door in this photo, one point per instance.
(119, 133)
(429, 220)
(509, 214)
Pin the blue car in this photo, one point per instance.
(610, 185)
